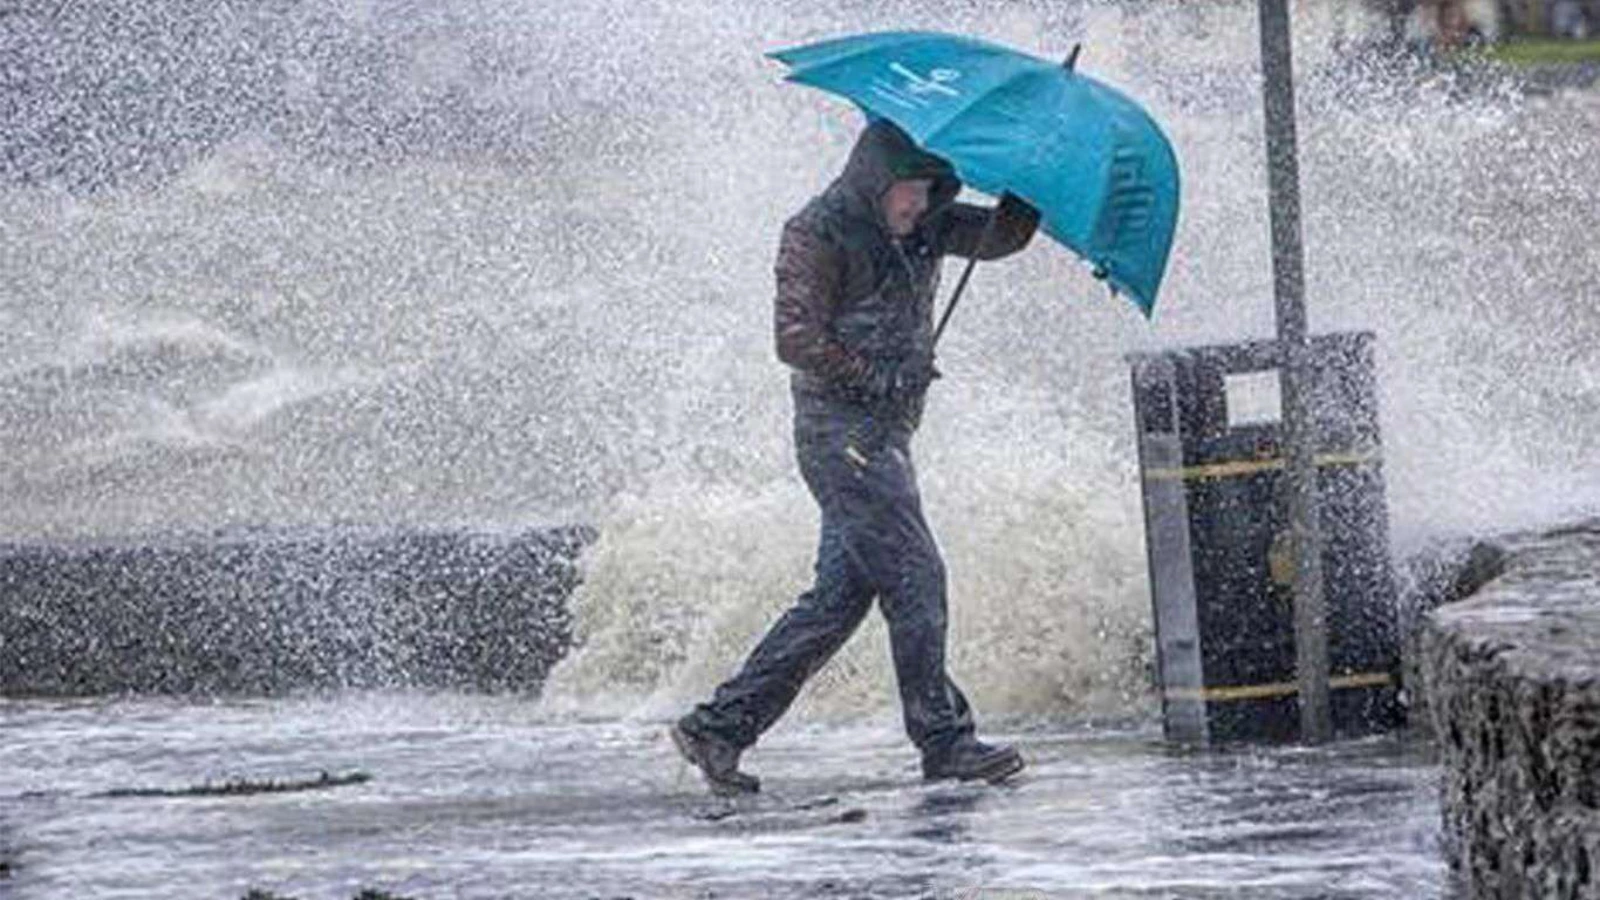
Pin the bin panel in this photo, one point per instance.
(1217, 537)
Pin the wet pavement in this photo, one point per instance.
(475, 796)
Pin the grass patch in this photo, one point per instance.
(1545, 51)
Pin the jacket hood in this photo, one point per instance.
(884, 154)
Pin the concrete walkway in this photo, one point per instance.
(473, 797)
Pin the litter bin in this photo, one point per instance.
(1211, 457)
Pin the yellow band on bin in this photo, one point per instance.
(1281, 689)
(1235, 468)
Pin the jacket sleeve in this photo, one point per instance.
(809, 275)
(1014, 225)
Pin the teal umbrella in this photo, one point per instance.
(1098, 168)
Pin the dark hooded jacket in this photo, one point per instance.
(853, 302)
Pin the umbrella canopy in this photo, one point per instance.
(1098, 168)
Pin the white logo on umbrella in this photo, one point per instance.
(914, 90)
(935, 82)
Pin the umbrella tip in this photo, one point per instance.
(1072, 58)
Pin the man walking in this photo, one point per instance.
(857, 274)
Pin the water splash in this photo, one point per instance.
(492, 264)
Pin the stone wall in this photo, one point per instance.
(268, 611)
(1512, 681)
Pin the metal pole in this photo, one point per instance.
(1288, 283)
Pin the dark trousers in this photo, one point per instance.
(874, 544)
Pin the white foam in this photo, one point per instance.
(580, 322)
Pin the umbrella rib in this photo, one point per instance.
(844, 50)
(967, 107)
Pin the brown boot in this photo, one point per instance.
(717, 759)
(972, 760)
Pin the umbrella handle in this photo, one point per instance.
(966, 274)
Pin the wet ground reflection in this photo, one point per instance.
(475, 797)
